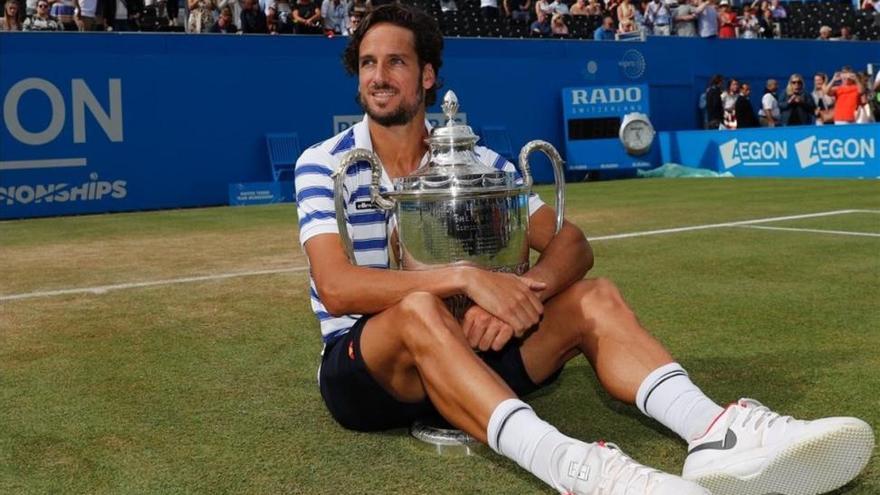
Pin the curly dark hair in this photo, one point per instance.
(429, 39)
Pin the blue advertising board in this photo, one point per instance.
(260, 193)
(591, 119)
(131, 121)
(798, 151)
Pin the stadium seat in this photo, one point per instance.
(283, 151)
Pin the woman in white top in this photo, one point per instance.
(201, 15)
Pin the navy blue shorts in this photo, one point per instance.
(358, 402)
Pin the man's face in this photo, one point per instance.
(818, 81)
(734, 86)
(608, 23)
(773, 86)
(391, 85)
(745, 90)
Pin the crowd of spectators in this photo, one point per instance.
(612, 19)
(327, 17)
(848, 97)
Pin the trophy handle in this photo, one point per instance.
(349, 159)
(558, 173)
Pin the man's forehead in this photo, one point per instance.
(388, 38)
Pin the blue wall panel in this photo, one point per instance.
(194, 109)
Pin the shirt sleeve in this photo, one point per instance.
(493, 159)
(314, 194)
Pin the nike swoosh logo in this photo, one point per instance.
(728, 443)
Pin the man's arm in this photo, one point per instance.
(565, 257)
(345, 288)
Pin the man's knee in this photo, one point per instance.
(423, 318)
(600, 298)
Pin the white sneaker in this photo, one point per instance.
(750, 450)
(603, 469)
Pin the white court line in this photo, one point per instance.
(106, 288)
(727, 224)
(101, 289)
(815, 231)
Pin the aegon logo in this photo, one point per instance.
(93, 190)
(598, 96)
(81, 98)
(851, 151)
(753, 153)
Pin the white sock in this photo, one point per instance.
(669, 396)
(516, 432)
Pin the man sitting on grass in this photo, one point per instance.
(394, 353)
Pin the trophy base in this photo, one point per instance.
(438, 436)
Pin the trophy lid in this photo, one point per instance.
(454, 166)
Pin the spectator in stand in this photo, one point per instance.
(685, 18)
(579, 8)
(360, 7)
(707, 19)
(543, 7)
(13, 16)
(518, 10)
(558, 26)
(824, 113)
(85, 14)
(42, 21)
(611, 7)
(768, 25)
(280, 17)
(713, 104)
(824, 33)
(728, 104)
(234, 7)
(489, 9)
(846, 88)
(727, 21)
(606, 30)
(845, 34)
(594, 9)
(541, 26)
(769, 112)
(224, 23)
(626, 16)
(201, 15)
(797, 108)
(335, 15)
(778, 10)
(63, 11)
(119, 14)
(253, 19)
(869, 6)
(560, 7)
(307, 18)
(749, 26)
(658, 18)
(745, 114)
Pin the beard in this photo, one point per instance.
(402, 115)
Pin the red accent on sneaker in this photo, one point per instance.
(716, 420)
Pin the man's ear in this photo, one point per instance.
(429, 77)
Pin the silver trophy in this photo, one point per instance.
(455, 211)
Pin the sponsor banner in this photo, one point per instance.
(605, 101)
(260, 193)
(802, 151)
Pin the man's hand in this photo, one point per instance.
(484, 331)
(512, 299)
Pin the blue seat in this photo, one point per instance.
(283, 152)
(496, 138)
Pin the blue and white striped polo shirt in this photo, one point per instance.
(368, 225)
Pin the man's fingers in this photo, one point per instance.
(502, 338)
(489, 336)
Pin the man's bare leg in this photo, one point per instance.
(592, 318)
(417, 349)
